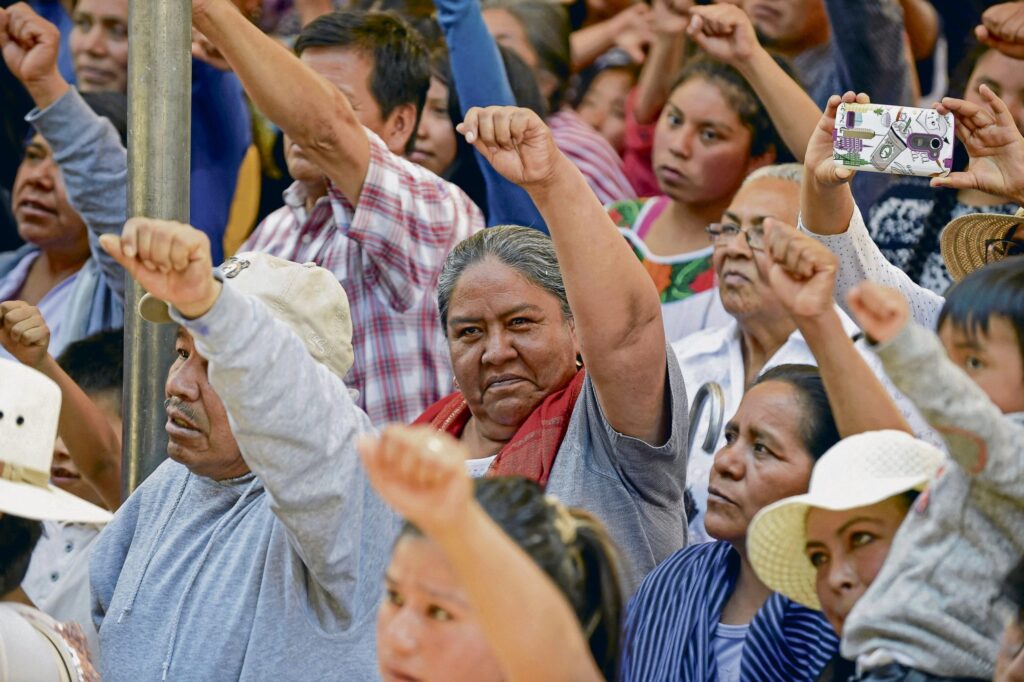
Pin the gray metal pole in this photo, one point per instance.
(159, 129)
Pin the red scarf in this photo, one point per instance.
(532, 450)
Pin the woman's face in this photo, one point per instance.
(847, 549)
(701, 148)
(99, 45)
(44, 215)
(764, 460)
(1005, 75)
(510, 345)
(508, 32)
(426, 629)
(742, 272)
(604, 106)
(435, 146)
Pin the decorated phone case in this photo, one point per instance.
(890, 139)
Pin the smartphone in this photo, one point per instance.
(882, 138)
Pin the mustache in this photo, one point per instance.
(180, 405)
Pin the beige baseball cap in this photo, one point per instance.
(306, 297)
(858, 471)
(964, 242)
(29, 410)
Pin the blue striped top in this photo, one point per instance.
(671, 621)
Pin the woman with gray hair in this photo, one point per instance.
(562, 371)
(759, 331)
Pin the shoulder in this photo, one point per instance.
(671, 578)
(704, 343)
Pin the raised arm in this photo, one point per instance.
(312, 112)
(616, 309)
(294, 420)
(663, 60)
(980, 438)
(803, 276)
(88, 150)
(1002, 27)
(629, 30)
(726, 33)
(93, 445)
(481, 81)
(422, 474)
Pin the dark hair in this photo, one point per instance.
(996, 289)
(572, 548)
(113, 106)
(465, 169)
(96, 363)
(18, 537)
(741, 97)
(818, 427)
(401, 66)
(614, 60)
(546, 26)
(527, 251)
(944, 200)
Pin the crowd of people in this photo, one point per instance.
(573, 349)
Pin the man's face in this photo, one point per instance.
(199, 435)
(790, 26)
(99, 45)
(351, 71)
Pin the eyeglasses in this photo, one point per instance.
(723, 233)
(998, 249)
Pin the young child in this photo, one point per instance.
(927, 615)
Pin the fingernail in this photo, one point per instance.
(129, 250)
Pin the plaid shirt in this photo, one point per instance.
(387, 252)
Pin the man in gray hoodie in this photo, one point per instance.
(249, 554)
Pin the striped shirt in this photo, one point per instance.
(672, 619)
(592, 154)
(387, 252)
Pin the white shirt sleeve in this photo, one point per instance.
(860, 260)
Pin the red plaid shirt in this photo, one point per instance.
(387, 252)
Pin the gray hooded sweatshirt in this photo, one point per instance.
(275, 575)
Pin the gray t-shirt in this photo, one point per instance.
(634, 488)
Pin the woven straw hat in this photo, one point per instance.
(856, 472)
(29, 410)
(306, 297)
(963, 240)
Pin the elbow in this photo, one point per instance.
(327, 130)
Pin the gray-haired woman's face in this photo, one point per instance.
(510, 345)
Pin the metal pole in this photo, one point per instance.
(159, 129)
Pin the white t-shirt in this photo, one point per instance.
(476, 468)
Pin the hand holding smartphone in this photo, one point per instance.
(899, 140)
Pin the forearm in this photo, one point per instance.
(860, 260)
(313, 113)
(791, 109)
(922, 25)
(591, 42)
(982, 440)
(615, 306)
(481, 81)
(94, 446)
(528, 621)
(664, 59)
(858, 399)
(824, 209)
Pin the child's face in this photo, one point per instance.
(992, 359)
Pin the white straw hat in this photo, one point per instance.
(306, 297)
(29, 410)
(855, 472)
